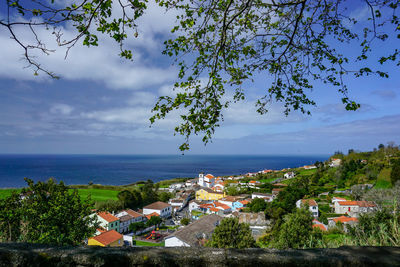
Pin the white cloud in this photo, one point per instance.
(62, 109)
(100, 64)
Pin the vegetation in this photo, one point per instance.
(48, 213)
(185, 221)
(228, 42)
(232, 234)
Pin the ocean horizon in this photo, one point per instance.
(126, 169)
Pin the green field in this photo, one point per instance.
(7, 192)
(307, 172)
(149, 244)
(96, 194)
(269, 180)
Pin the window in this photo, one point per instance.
(111, 225)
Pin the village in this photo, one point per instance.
(199, 205)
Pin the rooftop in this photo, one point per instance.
(107, 216)
(108, 237)
(133, 213)
(157, 206)
(194, 232)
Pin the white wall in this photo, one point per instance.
(175, 242)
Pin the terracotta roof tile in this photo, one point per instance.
(157, 206)
(344, 219)
(148, 216)
(107, 216)
(108, 237)
(310, 202)
(133, 213)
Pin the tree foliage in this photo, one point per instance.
(395, 173)
(296, 231)
(222, 45)
(232, 234)
(49, 213)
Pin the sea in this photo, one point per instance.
(127, 169)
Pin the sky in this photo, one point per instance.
(102, 104)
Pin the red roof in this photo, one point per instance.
(108, 237)
(107, 216)
(344, 219)
(133, 213)
(357, 203)
(244, 202)
(159, 205)
(101, 230)
(148, 216)
(214, 209)
(206, 206)
(310, 202)
(218, 204)
(209, 176)
(320, 226)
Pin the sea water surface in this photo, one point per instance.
(126, 169)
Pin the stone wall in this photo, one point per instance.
(12, 254)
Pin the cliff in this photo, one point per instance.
(12, 254)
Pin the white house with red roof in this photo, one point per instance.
(108, 221)
(161, 208)
(206, 180)
(319, 225)
(345, 221)
(127, 217)
(354, 208)
(312, 206)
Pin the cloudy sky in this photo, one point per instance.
(102, 104)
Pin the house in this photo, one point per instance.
(176, 203)
(332, 222)
(319, 225)
(126, 217)
(190, 183)
(137, 217)
(354, 208)
(219, 187)
(228, 200)
(163, 209)
(124, 222)
(335, 162)
(108, 221)
(253, 184)
(276, 191)
(336, 199)
(206, 180)
(312, 205)
(110, 238)
(194, 205)
(265, 171)
(208, 194)
(251, 174)
(309, 167)
(289, 175)
(195, 234)
(224, 208)
(267, 197)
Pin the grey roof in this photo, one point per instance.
(194, 232)
(125, 218)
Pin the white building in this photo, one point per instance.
(206, 180)
(127, 217)
(266, 197)
(161, 208)
(289, 175)
(354, 208)
(194, 205)
(312, 206)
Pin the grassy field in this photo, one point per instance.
(98, 194)
(383, 180)
(270, 180)
(307, 172)
(149, 244)
(6, 192)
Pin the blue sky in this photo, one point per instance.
(102, 104)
